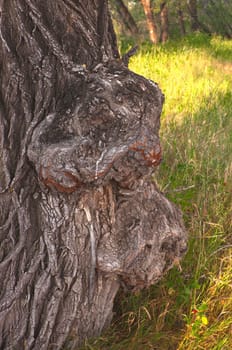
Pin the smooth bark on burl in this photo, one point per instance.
(79, 214)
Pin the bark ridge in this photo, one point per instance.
(79, 214)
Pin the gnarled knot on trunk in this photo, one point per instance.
(110, 131)
(150, 237)
(79, 214)
(105, 145)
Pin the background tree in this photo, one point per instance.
(181, 18)
(79, 215)
(216, 16)
(152, 27)
(184, 17)
(164, 31)
(125, 16)
(193, 11)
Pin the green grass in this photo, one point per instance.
(191, 308)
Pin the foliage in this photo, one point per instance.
(191, 308)
(217, 15)
(214, 16)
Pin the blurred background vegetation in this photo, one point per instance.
(158, 20)
(190, 56)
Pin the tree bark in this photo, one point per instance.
(126, 17)
(164, 22)
(152, 28)
(79, 215)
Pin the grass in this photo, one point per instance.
(191, 308)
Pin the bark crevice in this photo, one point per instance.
(79, 214)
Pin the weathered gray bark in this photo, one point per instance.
(79, 214)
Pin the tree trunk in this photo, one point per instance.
(152, 28)
(181, 20)
(192, 6)
(79, 214)
(164, 22)
(126, 17)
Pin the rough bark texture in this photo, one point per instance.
(79, 214)
(151, 25)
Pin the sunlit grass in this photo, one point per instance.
(187, 75)
(191, 308)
